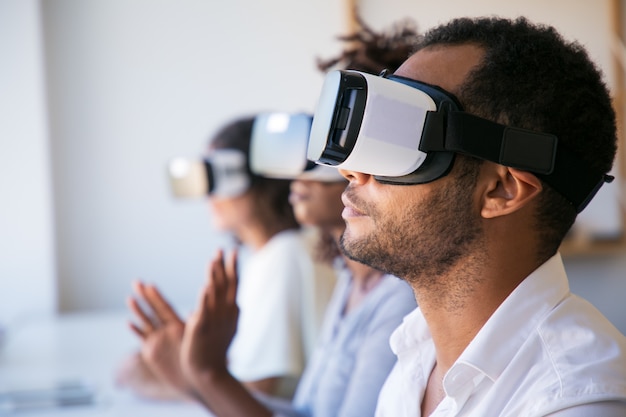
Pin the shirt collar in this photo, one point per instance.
(516, 318)
(411, 334)
(499, 339)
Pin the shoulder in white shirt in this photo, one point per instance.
(544, 351)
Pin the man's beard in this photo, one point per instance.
(424, 241)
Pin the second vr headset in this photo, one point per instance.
(278, 148)
(404, 131)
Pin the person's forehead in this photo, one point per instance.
(445, 66)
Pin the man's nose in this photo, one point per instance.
(355, 176)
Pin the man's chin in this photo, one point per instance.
(351, 248)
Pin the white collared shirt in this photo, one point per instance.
(543, 351)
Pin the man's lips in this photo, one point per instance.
(349, 210)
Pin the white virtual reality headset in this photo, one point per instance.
(278, 148)
(404, 131)
(222, 174)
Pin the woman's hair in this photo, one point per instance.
(271, 195)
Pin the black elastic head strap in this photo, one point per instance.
(539, 153)
(450, 129)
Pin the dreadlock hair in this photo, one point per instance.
(531, 78)
(369, 51)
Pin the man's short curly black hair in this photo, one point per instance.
(531, 78)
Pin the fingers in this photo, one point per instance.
(146, 323)
(218, 279)
(211, 327)
(232, 276)
(162, 309)
(137, 330)
(224, 273)
(218, 294)
(139, 288)
(150, 308)
(221, 287)
(213, 290)
(141, 305)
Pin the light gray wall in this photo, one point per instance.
(601, 280)
(134, 83)
(131, 83)
(27, 273)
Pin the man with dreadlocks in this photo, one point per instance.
(337, 382)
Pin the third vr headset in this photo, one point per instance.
(404, 131)
(222, 174)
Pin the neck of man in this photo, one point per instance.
(458, 303)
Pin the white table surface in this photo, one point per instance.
(86, 347)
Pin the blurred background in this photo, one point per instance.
(97, 95)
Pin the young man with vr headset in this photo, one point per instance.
(466, 169)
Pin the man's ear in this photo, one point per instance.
(508, 190)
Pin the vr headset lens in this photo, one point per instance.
(222, 174)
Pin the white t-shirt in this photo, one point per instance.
(544, 351)
(282, 296)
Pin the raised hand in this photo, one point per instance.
(161, 331)
(208, 334)
(211, 328)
